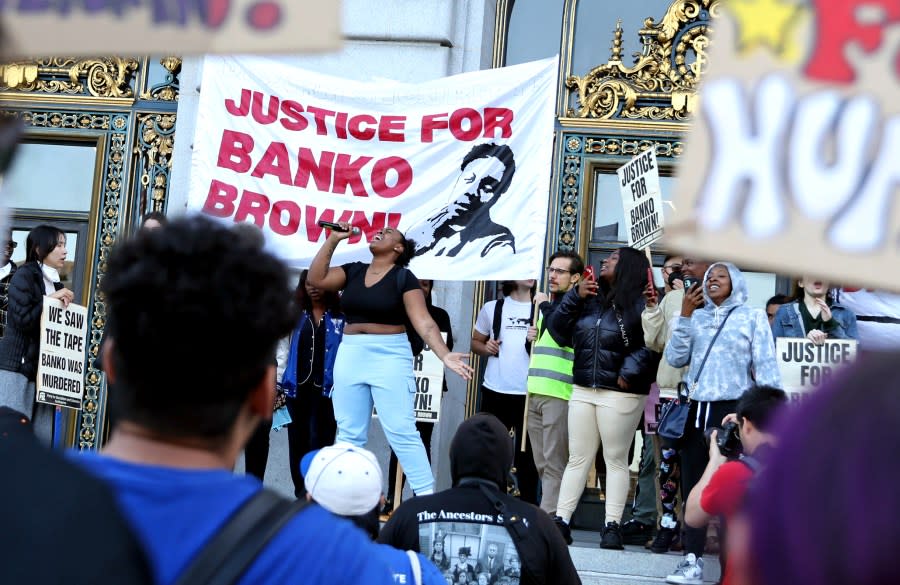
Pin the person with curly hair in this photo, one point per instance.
(612, 373)
(375, 362)
(212, 297)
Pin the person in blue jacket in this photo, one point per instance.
(308, 378)
(814, 315)
(743, 355)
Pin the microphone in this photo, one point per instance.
(338, 227)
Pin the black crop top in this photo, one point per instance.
(380, 303)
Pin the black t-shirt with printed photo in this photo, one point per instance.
(462, 524)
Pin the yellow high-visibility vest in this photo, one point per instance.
(550, 370)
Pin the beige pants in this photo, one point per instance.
(595, 416)
(548, 420)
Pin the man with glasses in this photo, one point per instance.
(7, 269)
(550, 383)
(671, 273)
(658, 320)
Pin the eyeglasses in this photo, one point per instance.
(672, 267)
(558, 271)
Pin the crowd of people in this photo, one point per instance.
(567, 375)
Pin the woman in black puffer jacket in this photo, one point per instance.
(612, 372)
(38, 276)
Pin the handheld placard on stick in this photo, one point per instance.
(534, 317)
(398, 485)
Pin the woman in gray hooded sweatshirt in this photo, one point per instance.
(743, 355)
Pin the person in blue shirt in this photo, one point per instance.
(346, 480)
(211, 298)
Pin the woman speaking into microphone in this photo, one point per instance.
(374, 361)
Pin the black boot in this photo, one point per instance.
(612, 536)
(563, 529)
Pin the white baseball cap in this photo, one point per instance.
(344, 479)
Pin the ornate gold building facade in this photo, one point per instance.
(98, 136)
(99, 133)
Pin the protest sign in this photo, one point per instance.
(805, 366)
(460, 164)
(429, 372)
(791, 161)
(169, 27)
(60, 375)
(642, 199)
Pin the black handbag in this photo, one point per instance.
(673, 418)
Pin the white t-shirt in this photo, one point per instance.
(507, 373)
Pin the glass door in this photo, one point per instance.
(55, 182)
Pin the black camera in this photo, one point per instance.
(728, 439)
(675, 276)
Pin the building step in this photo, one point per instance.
(633, 566)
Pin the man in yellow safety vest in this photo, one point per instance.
(550, 382)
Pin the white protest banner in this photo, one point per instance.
(429, 372)
(60, 374)
(791, 163)
(804, 365)
(460, 164)
(642, 199)
(877, 316)
(169, 27)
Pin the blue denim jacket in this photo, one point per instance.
(788, 322)
(334, 331)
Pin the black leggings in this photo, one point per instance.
(312, 427)
(510, 409)
(256, 451)
(694, 452)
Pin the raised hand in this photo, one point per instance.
(650, 297)
(459, 363)
(825, 310)
(693, 300)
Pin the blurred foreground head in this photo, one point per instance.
(195, 310)
(826, 510)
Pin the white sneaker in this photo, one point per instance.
(688, 572)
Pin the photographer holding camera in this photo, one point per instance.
(721, 489)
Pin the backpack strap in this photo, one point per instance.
(751, 462)
(498, 318)
(231, 551)
(416, 566)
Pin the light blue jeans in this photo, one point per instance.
(379, 369)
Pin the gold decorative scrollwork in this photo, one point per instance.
(168, 90)
(619, 146)
(662, 83)
(155, 144)
(571, 183)
(105, 77)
